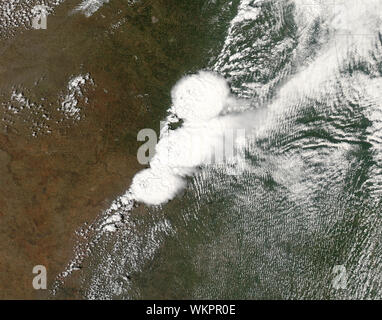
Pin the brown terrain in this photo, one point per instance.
(53, 183)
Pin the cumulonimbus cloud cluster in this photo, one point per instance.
(199, 100)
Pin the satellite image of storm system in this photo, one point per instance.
(164, 150)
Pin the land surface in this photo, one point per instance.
(53, 182)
